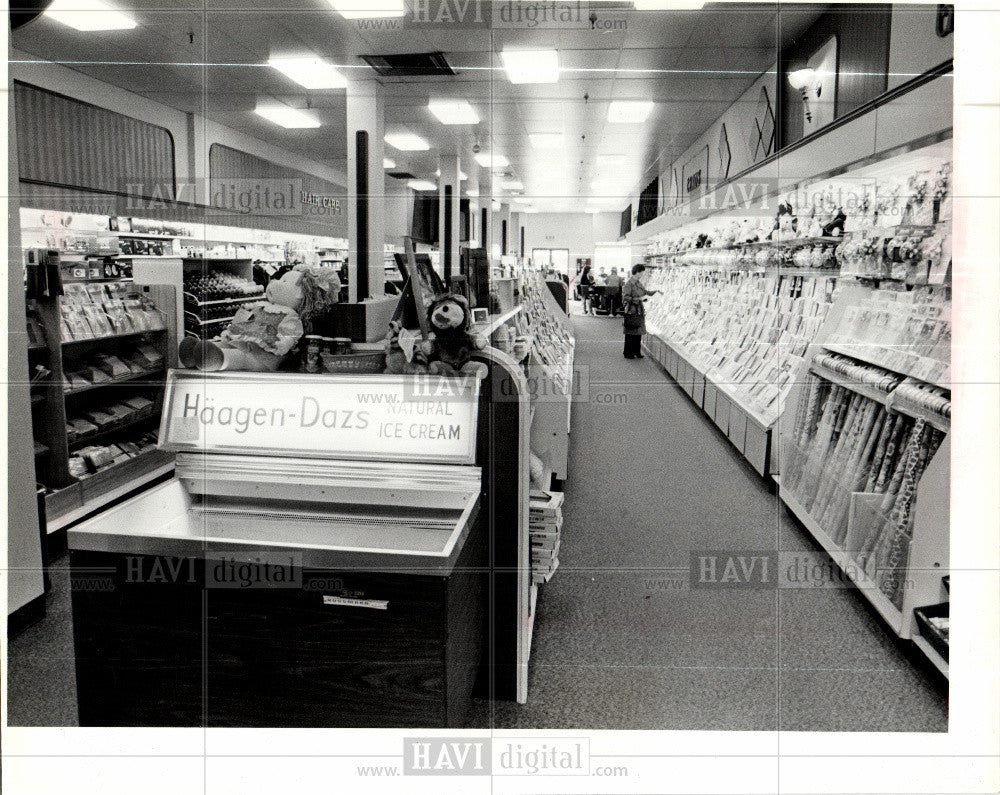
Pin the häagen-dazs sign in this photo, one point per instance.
(374, 417)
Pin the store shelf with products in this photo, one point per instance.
(886, 219)
(866, 459)
(734, 342)
(744, 298)
(213, 297)
(107, 346)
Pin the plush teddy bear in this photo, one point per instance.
(453, 342)
(260, 336)
(447, 350)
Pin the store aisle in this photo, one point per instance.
(621, 642)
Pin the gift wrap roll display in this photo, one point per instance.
(844, 442)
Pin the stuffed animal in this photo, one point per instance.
(260, 336)
(449, 348)
(453, 342)
(406, 351)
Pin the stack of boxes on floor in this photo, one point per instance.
(545, 524)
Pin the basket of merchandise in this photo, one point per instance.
(340, 355)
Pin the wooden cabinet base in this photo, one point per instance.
(160, 643)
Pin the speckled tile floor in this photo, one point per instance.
(621, 641)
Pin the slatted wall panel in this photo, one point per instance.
(62, 141)
(228, 166)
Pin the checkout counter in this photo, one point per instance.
(320, 559)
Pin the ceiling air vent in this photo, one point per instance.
(402, 175)
(420, 64)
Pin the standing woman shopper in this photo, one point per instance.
(633, 294)
(587, 289)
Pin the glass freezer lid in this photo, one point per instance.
(168, 520)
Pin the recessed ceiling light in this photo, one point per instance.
(668, 5)
(629, 112)
(511, 184)
(461, 174)
(365, 9)
(453, 111)
(422, 184)
(472, 192)
(283, 115)
(407, 142)
(89, 16)
(311, 72)
(388, 162)
(547, 140)
(490, 160)
(531, 66)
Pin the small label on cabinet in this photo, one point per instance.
(374, 604)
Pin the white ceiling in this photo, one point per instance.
(208, 57)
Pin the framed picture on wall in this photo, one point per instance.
(694, 175)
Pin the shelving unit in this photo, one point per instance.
(926, 558)
(69, 497)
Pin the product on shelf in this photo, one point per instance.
(115, 413)
(845, 443)
(746, 331)
(895, 226)
(125, 365)
(545, 527)
(219, 286)
(551, 342)
(106, 309)
(90, 460)
(211, 301)
(907, 332)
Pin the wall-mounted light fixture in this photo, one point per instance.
(808, 84)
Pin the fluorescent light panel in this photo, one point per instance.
(531, 66)
(388, 162)
(490, 160)
(366, 9)
(290, 118)
(89, 15)
(629, 112)
(422, 184)
(407, 142)
(311, 72)
(453, 111)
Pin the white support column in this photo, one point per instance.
(366, 111)
(451, 166)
